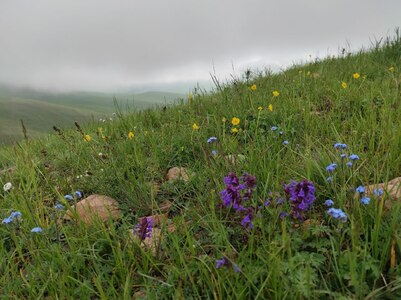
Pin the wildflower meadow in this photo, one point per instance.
(271, 197)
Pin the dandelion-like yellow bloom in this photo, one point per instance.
(344, 85)
(87, 138)
(270, 107)
(391, 69)
(253, 87)
(276, 93)
(260, 108)
(235, 121)
(356, 75)
(195, 126)
(234, 130)
(130, 135)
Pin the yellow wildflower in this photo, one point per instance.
(391, 69)
(195, 127)
(260, 108)
(130, 135)
(87, 138)
(235, 121)
(234, 130)
(276, 93)
(253, 87)
(100, 129)
(356, 75)
(270, 107)
(308, 73)
(344, 85)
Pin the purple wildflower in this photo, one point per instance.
(248, 221)
(343, 155)
(144, 228)
(231, 195)
(226, 263)
(283, 214)
(302, 195)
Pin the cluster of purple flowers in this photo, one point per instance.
(144, 228)
(226, 263)
(237, 192)
(302, 195)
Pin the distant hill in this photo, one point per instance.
(41, 110)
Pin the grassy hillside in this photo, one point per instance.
(311, 133)
(40, 111)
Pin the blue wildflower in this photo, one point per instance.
(69, 197)
(353, 157)
(337, 213)
(349, 164)
(59, 206)
(16, 215)
(329, 179)
(274, 128)
(329, 202)
(365, 200)
(285, 142)
(37, 230)
(215, 152)
(221, 262)
(280, 133)
(7, 220)
(283, 214)
(360, 189)
(212, 139)
(343, 155)
(330, 168)
(78, 194)
(340, 146)
(378, 192)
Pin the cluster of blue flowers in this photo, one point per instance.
(352, 158)
(337, 213)
(378, 192)
(15, 215)
(212, 140)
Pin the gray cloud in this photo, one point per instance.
(97, 44)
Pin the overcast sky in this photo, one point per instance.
(109, 45)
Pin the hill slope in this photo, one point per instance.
(252, 218)
(40, 111)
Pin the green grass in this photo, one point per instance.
(323, 258)
(40, 111)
